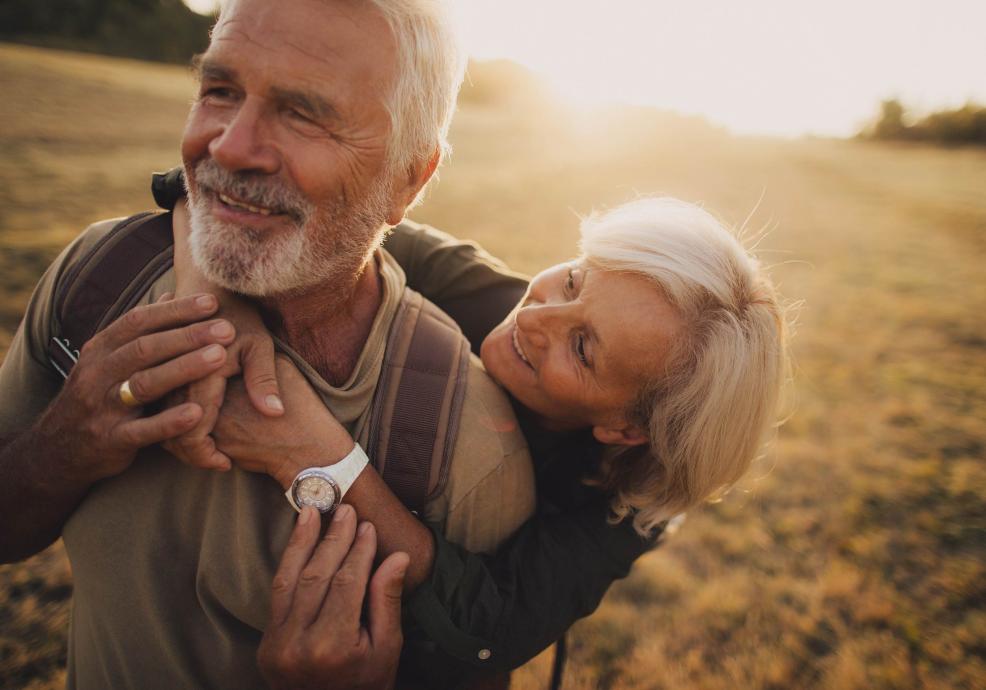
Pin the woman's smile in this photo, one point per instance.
(576, 349)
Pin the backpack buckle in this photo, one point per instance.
(62, 355)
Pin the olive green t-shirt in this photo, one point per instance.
(172, 565)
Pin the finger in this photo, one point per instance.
(198, 447)
(151, 384)
(156, 317)
(166, 297)
(154, 348)
(323, 568)
(385, 602)
(344, 602)
(146, 431)
(260, 376)
(295, 556)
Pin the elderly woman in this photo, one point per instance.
(645, 375)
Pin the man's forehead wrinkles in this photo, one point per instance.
(320, 55)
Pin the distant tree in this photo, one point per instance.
(965, 125)
(149, 29)
(891, 123)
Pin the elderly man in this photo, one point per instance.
(317, 124)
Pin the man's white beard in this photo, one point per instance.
(327, 245)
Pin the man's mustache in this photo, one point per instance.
(255, 189)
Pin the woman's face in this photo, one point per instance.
(578, 347)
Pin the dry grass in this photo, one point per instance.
(854, 556)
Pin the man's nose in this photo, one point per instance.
(243, 143)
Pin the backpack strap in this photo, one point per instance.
(108, 282)
(418, 401)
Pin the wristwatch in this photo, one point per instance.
(323, 487)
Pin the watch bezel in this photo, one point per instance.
(321, 474)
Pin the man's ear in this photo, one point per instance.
(620, 434)
(407, 189)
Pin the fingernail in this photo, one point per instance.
(363, 528)
(205, 301)
(274, 403)
(306, 515)
(221, 329)
(213, 353)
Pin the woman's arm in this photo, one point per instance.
(518, 601)
(552, 572)
(473, 287)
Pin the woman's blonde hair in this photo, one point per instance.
(709, 413)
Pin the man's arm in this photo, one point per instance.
(87, 433)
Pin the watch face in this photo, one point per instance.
(317, 490)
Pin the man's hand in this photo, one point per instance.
(251, 354)
(156, 348)
(315, 639)
(307, 435)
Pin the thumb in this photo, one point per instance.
(385, 602)
(260, 377)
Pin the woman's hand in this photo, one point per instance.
(307, 435)
(315, 638)
(250, 354)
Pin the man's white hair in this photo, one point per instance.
(708, 415)
(430, 68)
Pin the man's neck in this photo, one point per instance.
(329, 324)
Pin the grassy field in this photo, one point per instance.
(853, 557)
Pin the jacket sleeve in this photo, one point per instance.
(495, 612)
(473, 287)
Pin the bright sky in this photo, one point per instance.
(757, 66)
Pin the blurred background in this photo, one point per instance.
(846, 139)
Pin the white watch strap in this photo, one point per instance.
(343, 472)
(348, 469)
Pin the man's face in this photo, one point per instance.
(285, 145)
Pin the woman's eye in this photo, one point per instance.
(580, 350)
(570, 281)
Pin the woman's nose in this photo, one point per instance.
(242, 145)
(538, 321)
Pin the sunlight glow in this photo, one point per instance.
(778, 67)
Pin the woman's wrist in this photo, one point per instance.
(324, 454)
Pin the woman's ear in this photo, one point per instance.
(620, 434)
(406, 189)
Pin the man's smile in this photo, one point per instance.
(242, 205)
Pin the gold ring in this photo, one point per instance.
(127, 396)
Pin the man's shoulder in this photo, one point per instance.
(488, 416)
(490, 489)
(87, 241)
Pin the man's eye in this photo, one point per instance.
(301, 115)
(217, 93)
(570, 281)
